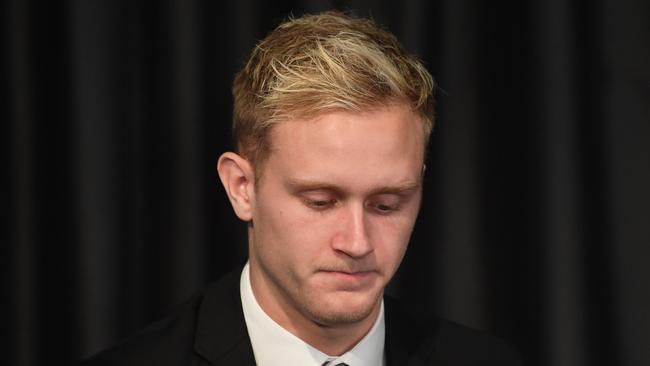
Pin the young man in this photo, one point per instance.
(331, 121)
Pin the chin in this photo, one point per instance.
(343, 310)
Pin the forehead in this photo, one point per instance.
(384, 144)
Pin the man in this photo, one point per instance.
(331, 121)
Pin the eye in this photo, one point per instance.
(384, 209)
(319, 205)
(385, 204)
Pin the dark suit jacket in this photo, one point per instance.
(209, 329)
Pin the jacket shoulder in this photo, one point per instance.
(437, 341)
(207, 327)
(168, 341)
(457, 342)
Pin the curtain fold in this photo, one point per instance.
(535, 223)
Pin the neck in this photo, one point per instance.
(331, 339)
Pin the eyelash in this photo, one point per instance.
(320, 205)
(385, 209)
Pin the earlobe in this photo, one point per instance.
(236, 175)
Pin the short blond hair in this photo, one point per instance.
(319, 63)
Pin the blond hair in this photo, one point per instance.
(319, 63)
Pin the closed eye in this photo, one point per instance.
(384, 209)
(319, 205)
(386, 203)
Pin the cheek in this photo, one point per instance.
(287, 230)
(390, 236)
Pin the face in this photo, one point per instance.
(333, 213)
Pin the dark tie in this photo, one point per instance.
(328, 363)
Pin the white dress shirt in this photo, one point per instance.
(275, 346)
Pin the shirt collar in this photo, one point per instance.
(274, 345)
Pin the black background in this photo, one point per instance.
(536, 218)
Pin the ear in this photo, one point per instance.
(238, 178)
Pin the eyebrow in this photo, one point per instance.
(303, 185)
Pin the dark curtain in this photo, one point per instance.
(536, 218)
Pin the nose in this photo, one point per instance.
(352, 239)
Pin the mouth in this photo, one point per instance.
(356, 278)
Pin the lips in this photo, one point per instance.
(359, 278)
(359, 275)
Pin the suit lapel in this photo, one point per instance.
(221, 335)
